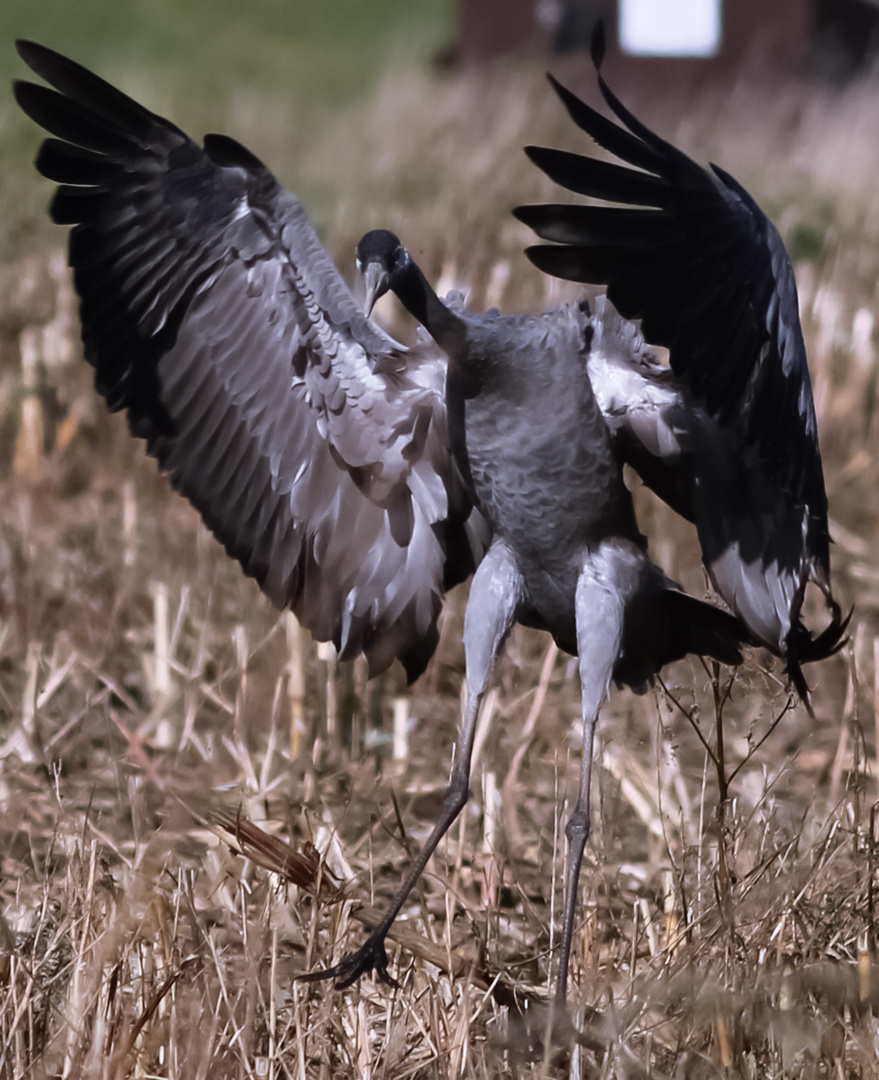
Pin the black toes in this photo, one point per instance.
(371, 956)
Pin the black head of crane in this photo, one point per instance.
(357, 480)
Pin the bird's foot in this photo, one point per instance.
(371, 956)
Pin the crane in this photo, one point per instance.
(357, 480)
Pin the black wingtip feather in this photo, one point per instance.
(69, 120)
(629, 231)
(560, 262)
(636, 149)
(523, 213)
(88, 90)
(34, 55)
(598, 46)
(72, 205)
(229, 153)
(68, 164)
(601, 179)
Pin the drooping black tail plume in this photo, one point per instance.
(804, 648)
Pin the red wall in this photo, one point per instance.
(775, 29)
(487, 28)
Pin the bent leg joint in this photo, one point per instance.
(579, 826)
(457, 793)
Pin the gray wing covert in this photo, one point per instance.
(313, 446)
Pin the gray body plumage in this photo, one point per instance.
(547, 478)
(547, 496)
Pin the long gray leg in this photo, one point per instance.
(495, 597)
(599, 614)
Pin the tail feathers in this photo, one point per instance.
(803, 648)
(702, 629)
(705, 630)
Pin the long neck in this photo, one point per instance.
(418, 298)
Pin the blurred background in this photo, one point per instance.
(278, 72)
(144, 682)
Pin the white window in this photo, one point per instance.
(670, 27)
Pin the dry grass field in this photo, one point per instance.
(196, 806)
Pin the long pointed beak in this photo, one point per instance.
(376, 283)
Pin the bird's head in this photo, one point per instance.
(380, 258)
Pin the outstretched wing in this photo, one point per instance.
(314, 447)
(695, 259)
